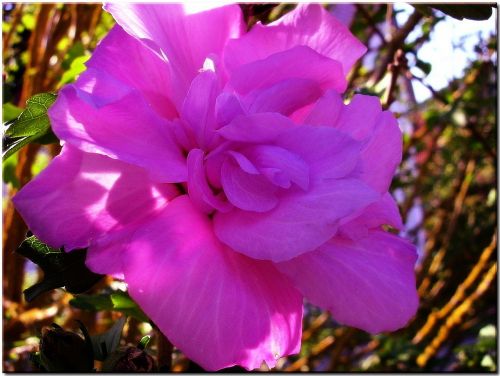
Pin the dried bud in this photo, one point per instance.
(64, 351)
(129, 359)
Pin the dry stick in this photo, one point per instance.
(165, 349)
(320, 348)
(456, 317)
(342, 340)
(395, 43)
(16, 18)
(368, 17)
(457, 209)
(459, 293)
(399, 64)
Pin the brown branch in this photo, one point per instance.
(395, 43)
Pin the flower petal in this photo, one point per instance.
(329, 153)
(245, 190)
(198, 187)
(309, 25)
(80, 197)
(198, 108)
(185, 38)
(367, 283)
(218, 307)
(126, 129)
(297, 62)
(285, 97)
(382, 212)
(300, 223)
(124, 59)
(382, 155)
(258, 128)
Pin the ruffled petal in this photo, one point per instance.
(297, 62)
(120, 59)
(199, 188)
(363, 120)
(81, 197)
(382, 154)
(126, 129)
(256, 128)
(245, 190)
(198, 108)
(218, 307)
(185, 38)
(329, 153)
(308, 25)
(284, 97)
(382, 212)
(300, 223)
(367, 283)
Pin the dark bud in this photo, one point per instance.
(129, 359)
(64, 351)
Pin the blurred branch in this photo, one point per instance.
(459, 295)
(16, 18)
(457, 316)
(395, 43)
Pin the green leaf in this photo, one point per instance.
(144, 342)
(60, 269)
(477, 12)
(10, 112)
(424, 66)
(32, 124)
(117, 301)
(92, 302)
(9, 171)
(106, 343)
(34, 119)
(77, 66)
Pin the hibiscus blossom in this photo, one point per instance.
(220, 173)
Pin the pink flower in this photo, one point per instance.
(221, 174)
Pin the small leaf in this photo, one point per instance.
(108, 342)
(34, 119)
(92, 302)
(30, 125)
(60, 269)
(118, 301)
(10, 112)
(476, 12)
(143, 343)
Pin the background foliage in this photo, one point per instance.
(446, 188)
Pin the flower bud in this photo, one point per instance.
(129, 359)
(64, 351)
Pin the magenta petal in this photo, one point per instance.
(326, 111)
(382, 212)
(367, 283)
(290, 165)
(218, 307)
(258, 128)
(300, 223)
(285, 97)
(81, 197)
(328, 152)
(359, 117)
(126, 129)
(112, 63)
(245, 190)
(309, 25)
(185, 38)
(382, 155)
(198, 107)
(298, 62)
(198, 187)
